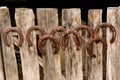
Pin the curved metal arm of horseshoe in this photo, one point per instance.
(16, 29)
(58, 29)
(89, 30)
(94, 40)
(44, 38)
(77, 39)
(29, 32)
(106, 25)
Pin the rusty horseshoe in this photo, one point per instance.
(94, 40)
(106, 25)
(16, 29)
(77, 39)
(45, 37)
(30, 30)
(86, 28)
(58, 29)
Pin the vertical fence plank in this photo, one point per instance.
(73, 58)
(1, 61)
(2, 77)
(10, 63)
(118, 47)
(96, 68)
(113, 54)
(48, 19)
(25, 19)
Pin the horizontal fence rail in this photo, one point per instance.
(48, 51)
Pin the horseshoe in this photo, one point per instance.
(106, 25)
(94, 40)
(16, 29)
(77, 39)
(45, 37)
(58, 29)
(29, 32)
(86, 28)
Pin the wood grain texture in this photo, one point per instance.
(10, 64)
(25, 19)
(48, 19)
(95, 71)
(113, 54)
(2, 77)
(73, 58)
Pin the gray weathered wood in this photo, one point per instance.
(15, 40)
(95, 66)
(25, 19)
(10, 64)
(73, 58)
(1, 65)
(48, 19)
(113, 54)
(1, 62)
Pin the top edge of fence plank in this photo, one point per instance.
(3, 7)
(95, 9)
(112, 7)
(47, 8)
(70, 9)
(23, 8)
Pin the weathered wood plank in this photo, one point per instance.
(73, 58)
(95, 66)
(15, 40)
(113, 54)
(10, 64)
(48, 19)
(2, 77)
(25, 19)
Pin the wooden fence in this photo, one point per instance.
(26, 62)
